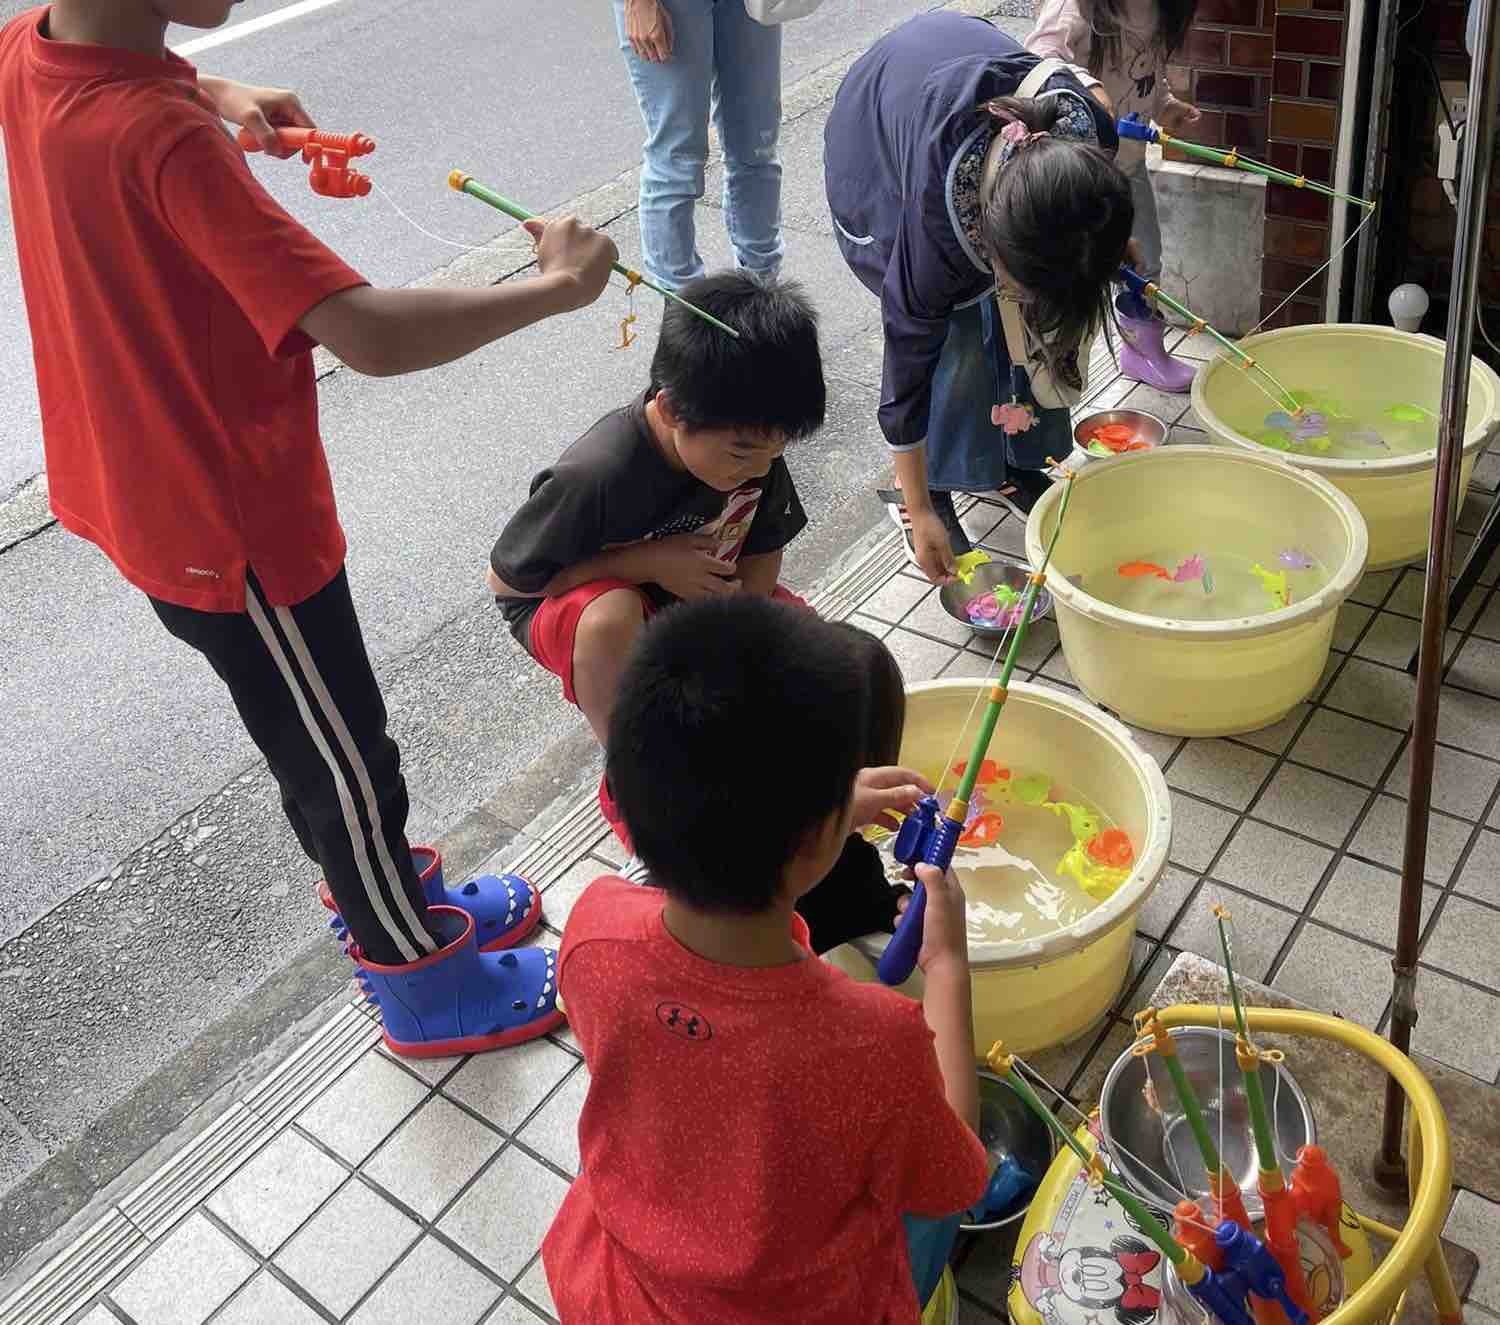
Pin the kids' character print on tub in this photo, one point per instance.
(1123, 1279)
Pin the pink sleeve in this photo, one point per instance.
(1059, 24)
(941, 1167)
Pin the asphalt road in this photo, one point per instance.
(153, 887)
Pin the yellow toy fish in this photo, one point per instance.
(1098, 881)
(1274, 583)
(1083, 823)
(965, 566)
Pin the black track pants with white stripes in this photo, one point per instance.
(302, 682)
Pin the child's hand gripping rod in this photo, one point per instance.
(329, 155)
(929, 838)
(462, 183)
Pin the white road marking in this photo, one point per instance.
(250, 26)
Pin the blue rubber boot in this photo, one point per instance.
(459, 1000)
(506, 909)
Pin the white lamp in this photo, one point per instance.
(1408, 305)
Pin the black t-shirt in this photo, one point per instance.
(613, 487)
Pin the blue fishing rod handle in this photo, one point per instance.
(1133, 126)
(1133, 280)
(926, 838)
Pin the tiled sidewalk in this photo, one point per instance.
(347, 1186)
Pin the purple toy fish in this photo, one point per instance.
(1312, 424)
(1295, 559)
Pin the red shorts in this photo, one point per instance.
(554, 627)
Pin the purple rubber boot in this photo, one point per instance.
(1143, 356)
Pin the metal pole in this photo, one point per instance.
(1467, 252)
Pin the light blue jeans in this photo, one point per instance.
(725, 63)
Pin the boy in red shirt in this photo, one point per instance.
(174, 307)
(758, 1126)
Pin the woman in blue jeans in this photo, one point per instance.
(687, 59)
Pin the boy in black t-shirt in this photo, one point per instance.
(682, 494)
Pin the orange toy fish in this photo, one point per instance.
(1135, 569)
(1112, 848)
(989, 771)
(984, 831)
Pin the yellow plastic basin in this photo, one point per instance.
(1038, 992)
(1195, 678)
(1394, 494)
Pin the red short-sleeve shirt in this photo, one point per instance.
(751, 1137)
(164, 287)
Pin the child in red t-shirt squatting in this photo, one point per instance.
(684, 493)
(764, 1139)
(174, 307)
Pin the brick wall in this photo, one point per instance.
(1267, 76)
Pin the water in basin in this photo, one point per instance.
(1025, 862)
(1241, 571)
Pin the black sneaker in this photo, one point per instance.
(942, 504)
(1023, 488)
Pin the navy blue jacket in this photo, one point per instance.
(902, 115)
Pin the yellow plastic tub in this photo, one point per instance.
(1038, 992)
(1195, 678)
(1395, 494)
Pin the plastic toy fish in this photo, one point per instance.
(1275, 438)
(1098, 881)
(1281, 421)
(1111, 848)
(1274, 583)
(1368, 437)
(989, 771)
(1310, 425)
(1408, 414)
(1295, 559)
(1032, 789)
(999, 606)
(1133, 570)
(1083, 823)
(1190, 569)
(965, 566)
(984, 831)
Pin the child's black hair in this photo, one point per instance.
(768, 380)
(1058, 221)
(887, 698)
(736, 732)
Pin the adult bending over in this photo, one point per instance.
(973, 188)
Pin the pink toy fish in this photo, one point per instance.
(1190, 569)
(1295, 559)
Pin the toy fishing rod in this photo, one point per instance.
(1280, 1208)
(1221, 1293)
(927, 837)
(462, 183)
(1132, 126)
(1228, 1201)
(1143, 289)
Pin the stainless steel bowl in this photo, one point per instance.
(1154, 1147)
(997, 571)
(1148, 428)
(1008, 1127)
